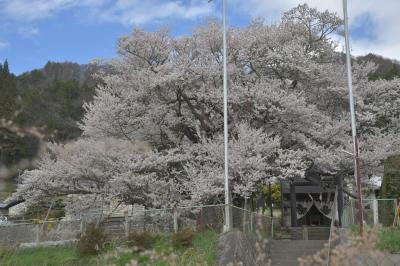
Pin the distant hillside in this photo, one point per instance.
(387, 68)
(52, 97)
(54, 71)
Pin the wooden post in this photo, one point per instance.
(144, 220)
(293, 213)
(82, 225)
(37, 234)
(282, 210)
(175, 221)
(340, 199)
(375, 211)
(126, 224)
(251, 221)
(272, 228)
(244, 222)
(305, 233)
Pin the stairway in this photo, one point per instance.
(286, 252)
(303, 233)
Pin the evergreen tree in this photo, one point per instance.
(8, 108)
(390, 188)
(6, 69)
(8, 92)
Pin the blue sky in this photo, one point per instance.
(33, 32)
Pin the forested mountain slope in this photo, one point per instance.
(48, 99)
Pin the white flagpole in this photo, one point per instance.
(228, 217)
(353, 117)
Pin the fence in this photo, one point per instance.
(376, 212)
(168, 220)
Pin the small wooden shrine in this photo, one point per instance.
(310, 201)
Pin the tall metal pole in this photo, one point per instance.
(357, 173)
(226, 143)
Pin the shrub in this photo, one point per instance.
(92, 240)
(140, 239)
(389, 240)
(5, 254)
(183, 238)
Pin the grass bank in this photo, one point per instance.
(389, 240)
(46, 256)
(202, 252)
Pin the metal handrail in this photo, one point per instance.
(332, 226)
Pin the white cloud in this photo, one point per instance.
(383, 37)
(384, 15)
(25, 10)
(127, 12)
(33, 10)
(28, 31)
(3, 45)
(136, 12)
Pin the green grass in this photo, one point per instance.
(388, 237)
(389, 240)
(355, 229)
(202, 252)
(49, 256)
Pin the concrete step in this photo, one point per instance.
(286, 252)
(303, 233)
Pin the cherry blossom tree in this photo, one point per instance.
(288, 115)
(102, 170)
